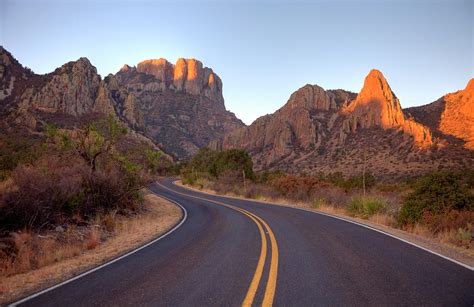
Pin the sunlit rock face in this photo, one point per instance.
(160, 68)
(187, 75)
(182, 104)
(180, 107)
(377, 103)
(451, 115)
(328, 131)
(377, 106)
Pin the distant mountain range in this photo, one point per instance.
(339, 131)
(180, 108)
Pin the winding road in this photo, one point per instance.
(239, 252)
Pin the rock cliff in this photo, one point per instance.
(452, 115)
(180, 106)
(321, 130)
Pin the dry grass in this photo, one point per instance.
(6, 186)
(44, 260)
(383, 219)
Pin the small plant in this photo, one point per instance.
(318, 203)
(109, 221)
(463, 236)
(366, 206)
(93, 240)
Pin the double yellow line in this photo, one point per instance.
(272, 275)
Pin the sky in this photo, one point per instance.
(262, 50)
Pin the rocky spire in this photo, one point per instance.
(377, 106)
(377, 101)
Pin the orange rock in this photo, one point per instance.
(377, 105)
(457, 119)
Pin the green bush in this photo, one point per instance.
(268, 176)
(366, 206)
(16, 149)
(353, 182)
(436, 193)
(217, 163)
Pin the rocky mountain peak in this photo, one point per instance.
(187, 75)
(125, 68)
(470, 86)
(376, 88)
(81, 65)
(377, 102)
(159, 68)
(5, 57)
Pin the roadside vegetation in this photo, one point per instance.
(66, 189)
(438, 205)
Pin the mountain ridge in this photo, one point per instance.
(326, 131)
(185, 117)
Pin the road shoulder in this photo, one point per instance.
(458, 254)
(161, 215)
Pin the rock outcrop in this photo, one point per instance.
(377, 106)
(452, 115)
(180, 106)
(187, 75)
(327, 131)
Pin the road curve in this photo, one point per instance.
(304, 259)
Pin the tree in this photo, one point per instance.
(91, 142)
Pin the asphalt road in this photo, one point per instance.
(230, 252)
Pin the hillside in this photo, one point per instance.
(326, 131)
(179, 108)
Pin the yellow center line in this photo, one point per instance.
(261, 263)
(272, 276)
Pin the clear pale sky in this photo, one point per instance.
(263, 51)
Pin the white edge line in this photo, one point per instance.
(342, 219)
(185, 215)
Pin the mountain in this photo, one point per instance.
(451, 116)
(182, 105)
(327, 131)
(179, 107)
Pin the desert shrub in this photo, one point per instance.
(296, 187)
(337, 178)
(366, 206)
(318, 203)
(268, 176)
(463, 236)
(45, 191)
(436, 193)
(17, 149)
(82, 173)
(233, 160)
(453, 219)
(203, 161)
(354, 182)
(217, 164)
